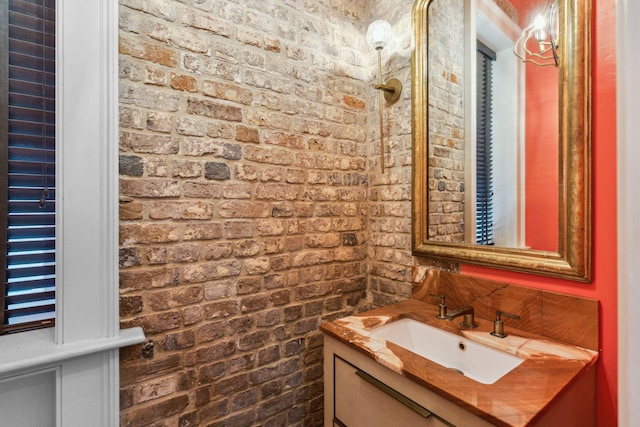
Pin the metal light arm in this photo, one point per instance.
(391, 92)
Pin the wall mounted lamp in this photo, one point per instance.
(378, 36)
(543, 33)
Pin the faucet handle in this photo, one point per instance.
(442, 312)
(498, 324)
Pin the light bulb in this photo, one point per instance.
(539, 25)
(379, 34)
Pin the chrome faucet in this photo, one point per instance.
(468, 321)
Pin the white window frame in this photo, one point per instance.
(79, 355)
(628, 155)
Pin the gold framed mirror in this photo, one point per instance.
(445, 215)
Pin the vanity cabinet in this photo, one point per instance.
(363, 400)
(359, 392)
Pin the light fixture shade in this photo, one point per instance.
(379, 34)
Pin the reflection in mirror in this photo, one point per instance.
(493, 152)
(501, 146)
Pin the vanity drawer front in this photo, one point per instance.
(362, 400)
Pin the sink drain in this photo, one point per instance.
(462, 346)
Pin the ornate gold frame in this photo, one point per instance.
(573, 259)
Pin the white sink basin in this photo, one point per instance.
(476, 361)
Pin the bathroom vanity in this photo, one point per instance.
(373, 381)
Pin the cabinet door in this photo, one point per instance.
(363, 401)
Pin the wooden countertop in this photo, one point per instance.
(519, 398)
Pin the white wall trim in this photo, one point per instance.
(83, 346)
(628, 147)
(44, 352)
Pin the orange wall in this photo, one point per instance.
(541, 148)
(541, 154)
(604, 284)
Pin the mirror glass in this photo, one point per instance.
(501, 153)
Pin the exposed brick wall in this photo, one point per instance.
(446, 121)
(390, 193)
(244, 182)
(252, 205)
(390, 227)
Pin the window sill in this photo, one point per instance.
(35, 349)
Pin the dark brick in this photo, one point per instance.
(267, 318)
(131, 165)
(214, 410)
(306, 325)
(290, 366)
(274, 406)
(294, 347)
(239, 325)
(272, 388)
(253, 340)
(216, 170)
(203, 395)
(268, 355)
(249, 285)
(254, 303)
(281, 297)
(186, 380)
(215, 110)
(230, 385)
(273, 281)
(277, 421)
(294, 380)
(296, 414)
(333, 304)
(210, 331)
(281, 333)
(313, 308)
(349, 239)
(292, 313)
(126, 398)
(160, 322)
(188, 420)
(158, 411)
(264, 374)
(215, 352)
(244, 399)
(241, 363)
(130, 305)
(243, 419)
(129, 257)
(208, 373)
(231, 152)
(220, 309)
(179, 340)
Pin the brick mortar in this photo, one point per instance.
(252, 207)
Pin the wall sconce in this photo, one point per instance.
(542, 32)
(378, 36)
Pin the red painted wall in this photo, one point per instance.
(541, 148)
(541, 158)
(604, 284)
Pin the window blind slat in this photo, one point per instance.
(32, 232)
(29, 289)
(13, 313)
(484, 183)
(22, 286)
